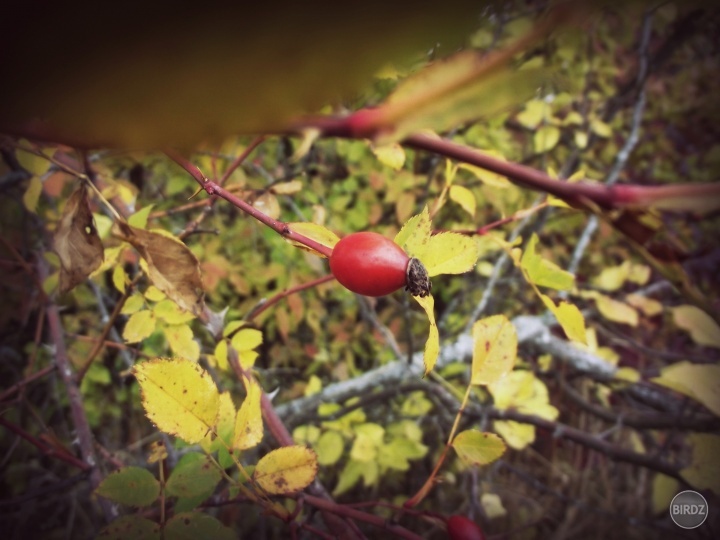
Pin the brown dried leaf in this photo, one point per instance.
(76, 241)
(171, 266)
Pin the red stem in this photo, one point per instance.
(284, 294)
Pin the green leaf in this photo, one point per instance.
(194, 475)
(494, 349)
(170, 312)
(546, 138)
(329, 447)
(31, 197)
(542, 272)
(194, 525)
(133, 526)
(132, 486)
(570, 318)
(349, 476)
(478, 448)
(133, 304)
(140, 218)
(414, 236)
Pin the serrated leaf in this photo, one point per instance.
(172, 267)
(181, 340)
(286, 470)
(133, 526)
(194, 525)
(391, 155)
(494, 349)
(31, 197)
(700, 382)
(179, 397)
(450, 253)
(139, 326)
(704, 471)
(224, 428)
(248, 423)
(477, 448)
(319, 233)
(415, 234)
(464, 197)
(76, 241)
(140, 218)
(542, 272)
(194, 475)
(701, 327)
(432, 346)
(329, 447)
(133, 486)
(546, 138)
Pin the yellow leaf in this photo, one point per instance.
(309, 136)
(139, 326)
(639, 274)
(492, 505)
(612, 277)
(477, 448)
(247, 339)
(450, 253)
(570, 318)
(320, 234)
(154, 294)
(494, 349)
(432, 346)
(134, 303)
(542, 272)
(627, 374)
(664, 488)
(487, 177)
(249, 424)
(225, 426)
(221, 355)
(287, 188)
(523, 391)
(286, 470)
(702, 328)
(179, 397)
(34, 164)
(704, 471)
(581, 139)
(391, 155)
(180, 338)
(415, 234)
(120, 278)
(170, 312)
(140, 218)
(600, 128)
(647, 305)
(698, 381)
(535, 111)
(464, 197)
(515, 434)
(546, 138)
(616, 311)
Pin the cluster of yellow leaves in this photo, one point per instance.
(182, 400)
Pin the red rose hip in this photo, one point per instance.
(461, 528)
(368, 263)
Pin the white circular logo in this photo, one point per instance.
(689, 509)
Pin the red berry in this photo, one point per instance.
(370, 264)
(461, 528)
